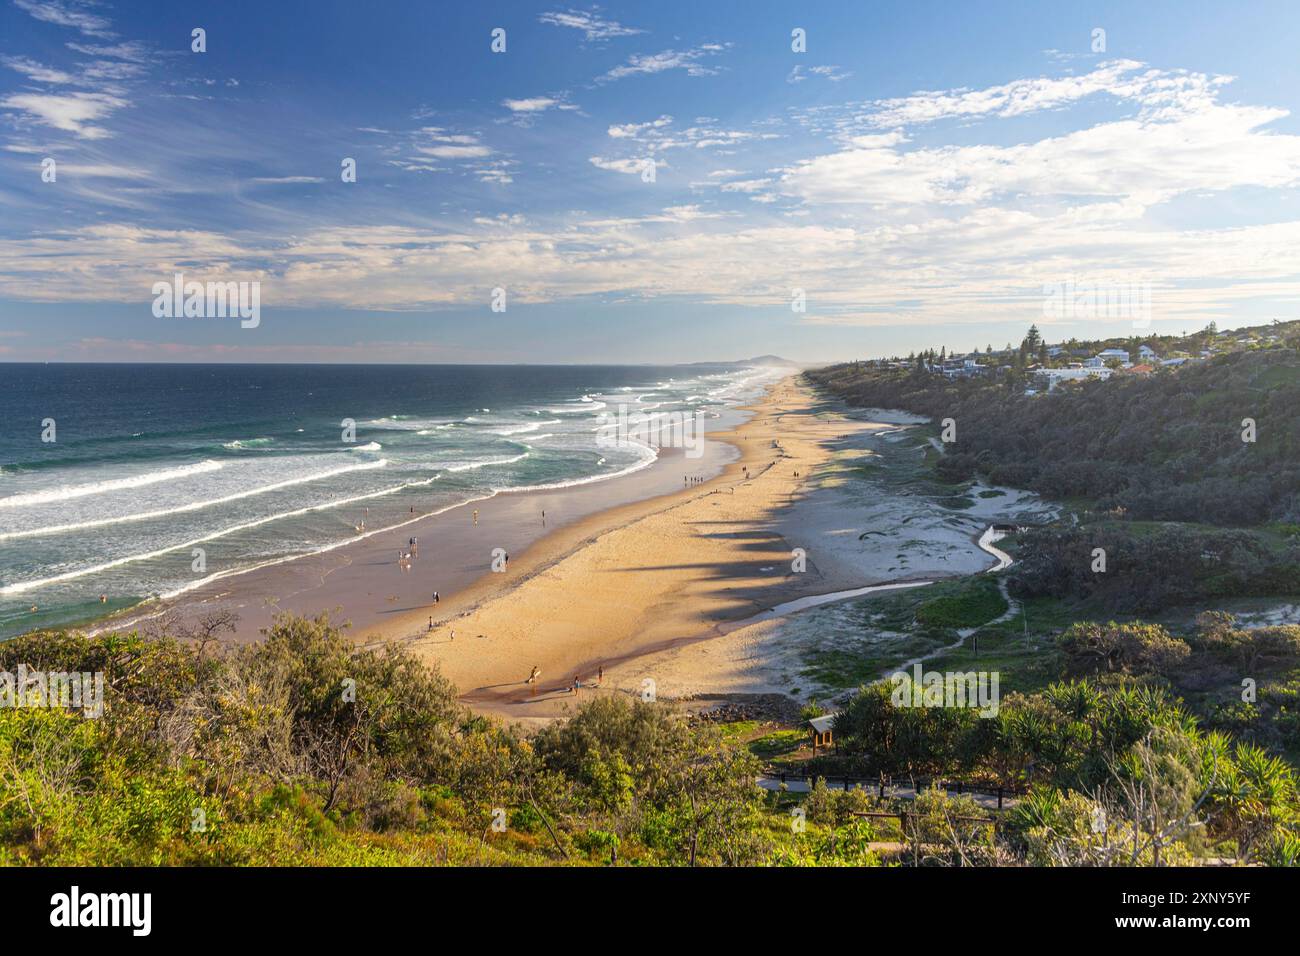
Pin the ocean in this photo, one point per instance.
(249, 464)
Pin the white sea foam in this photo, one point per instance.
(193, 505)
(472, 465)
(23, 586)
(523, 429)
(68, 492)
(648, 458)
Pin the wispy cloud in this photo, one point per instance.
(37, 72)
(75, 113)
(82, 112)
(833, 73)
(287, 180)
(649, 63)
(593, 27)
(68, 14)
(534, 104)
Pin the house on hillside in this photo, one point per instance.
(1114, 355)
(1146, 353)
(1052, 377)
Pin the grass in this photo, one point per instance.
(778, 744)
(858, 642)
(1023, 662)
(864, 662)
(976, 602)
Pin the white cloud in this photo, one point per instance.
(71, 112)
(592, 26)
(634, 130)
(832, 73)
(288, 180)
(746, 185)
(454, 152)
(688, 60)
(629, 166)
(127, 50)
(36, 71)
(68, 14)
(534, 104)
(1148, 159)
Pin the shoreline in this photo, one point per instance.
(654, 580)
(359, 582)
(683, 588)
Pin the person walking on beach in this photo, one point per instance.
(435, 597)
(543, 517)
(476, 517)
(431, 622)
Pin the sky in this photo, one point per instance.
(645, 183)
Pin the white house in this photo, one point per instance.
(1146, 352)
(1107, 355)
(1054, 376)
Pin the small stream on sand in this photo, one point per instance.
(985, 542)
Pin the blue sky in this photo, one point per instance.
(922, 172)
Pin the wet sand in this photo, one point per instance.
(621, 589)
(650, 578)
(362, 584)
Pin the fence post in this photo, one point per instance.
(999, 798)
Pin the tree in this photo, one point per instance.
(1136, 647)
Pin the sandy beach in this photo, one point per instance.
(665, 579)
(647, 592)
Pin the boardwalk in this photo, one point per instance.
(794, 784)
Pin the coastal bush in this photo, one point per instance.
(303, 748)
(1150, 569)
(1135, 648)
(1163, 447)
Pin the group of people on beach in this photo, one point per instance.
(535, 677)
(404, 558)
